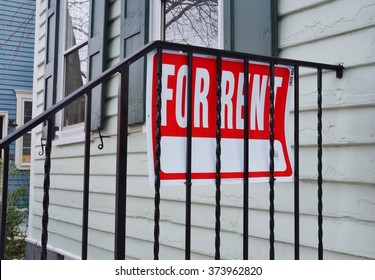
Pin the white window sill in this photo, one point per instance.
(70, 135)
(24, 166)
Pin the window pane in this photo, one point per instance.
(77, 30)
(192, 22)
(75, 77)
(76, 69)
(27, 111)
(26, 143)
(75, 112)
(77, 22)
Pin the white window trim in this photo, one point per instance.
(70, 135)
(4, 114)
(21, 96)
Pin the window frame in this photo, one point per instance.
(22, 96)
(55, 64)
(72, 133)
(157, 19)
(4, 115)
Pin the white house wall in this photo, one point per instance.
(323, 31)
(337, 32)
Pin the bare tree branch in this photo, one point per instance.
(192, 21)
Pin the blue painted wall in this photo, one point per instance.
(16, 59)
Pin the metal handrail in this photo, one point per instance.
(122, 68)
(86, 89)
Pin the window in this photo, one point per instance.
(237, 25)
(192, 22)
(24, 114)
(75, 57)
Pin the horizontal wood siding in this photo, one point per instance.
(308, 30)
(336, 32)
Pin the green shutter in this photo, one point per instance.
(134, 35)
(50, 71)
(250, 26)
(96, 62)
(51, 53)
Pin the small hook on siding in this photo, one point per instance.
(42, 144)
(101, 145)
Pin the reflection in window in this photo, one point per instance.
(77, 21)
(75, 77)
(192, 22)
(77, 28)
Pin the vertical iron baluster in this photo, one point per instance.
(189, 155)
(46, 188)
(86, 178)
(296, 162)
(4, 205)
(218, 159)
(121, 163)
(272, 163)
(320, 165)
(157, 155)
(246, 163)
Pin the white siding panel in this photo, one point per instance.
(355, 89)
(38, 99)
(309, 30)
(340, 127)
(315, 30)
(336, 166)
(96, 253)
(296, 6)
(335, 50)
(351, 17)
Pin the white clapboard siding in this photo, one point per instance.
(312, 30)
(308, 30)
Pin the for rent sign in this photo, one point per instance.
(204, 114)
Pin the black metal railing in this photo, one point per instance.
(122, 68)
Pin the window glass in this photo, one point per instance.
(26, 139)
(26, 148)
(192, 22)
(245, 25)
(75, 77)
(27, 109)
(77, 22)
(76, 38)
